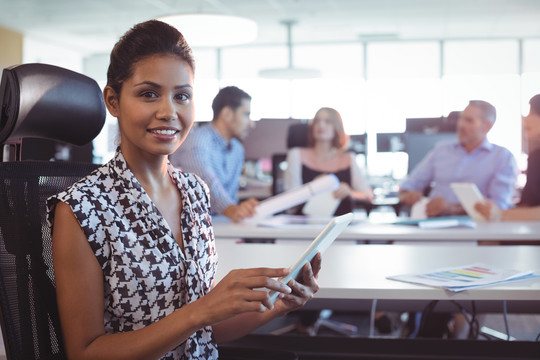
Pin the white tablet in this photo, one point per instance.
(468, 195)
(320, 244)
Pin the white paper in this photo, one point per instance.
(461, 278)
(418, 210)
(293, 197)
(324, 204)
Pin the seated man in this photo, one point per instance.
(215, 153)
(470, 159)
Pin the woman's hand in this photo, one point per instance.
(489, 210)
(303, 287)
(243, 290)
(343, 191)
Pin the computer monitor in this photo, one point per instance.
(390, 142)
(434, 125)
(268, 137)
(418, 145)
(358, 143)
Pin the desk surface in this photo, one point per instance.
(365, 230)
(359, 271)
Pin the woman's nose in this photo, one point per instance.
(167, 109)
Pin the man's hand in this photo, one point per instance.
(409, 197)
(244, 210)
(435, 206)
(438, 206)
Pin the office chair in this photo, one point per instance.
(47, 102)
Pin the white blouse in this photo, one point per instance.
(293, 174)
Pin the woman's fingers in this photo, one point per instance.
(316, 264)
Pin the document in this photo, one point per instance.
(440, 222)
(465, 277)
(321, 205)
(293, 197)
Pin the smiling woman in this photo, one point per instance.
(133, 246)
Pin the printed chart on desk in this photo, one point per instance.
(461, 278)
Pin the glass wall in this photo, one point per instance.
(374, 85)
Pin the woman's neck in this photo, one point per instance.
(324, 150)
(150, 171)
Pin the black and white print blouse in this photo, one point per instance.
(146, 275)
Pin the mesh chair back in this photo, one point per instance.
(29, 315)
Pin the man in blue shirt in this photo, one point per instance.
(214, 152)
(470, 159)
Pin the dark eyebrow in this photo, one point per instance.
(153, 84)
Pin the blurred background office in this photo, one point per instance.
(379, 62)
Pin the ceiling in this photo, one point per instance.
(92, 26)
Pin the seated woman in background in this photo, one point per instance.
(529, 206)
(325, 155)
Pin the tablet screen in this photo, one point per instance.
(325, 238)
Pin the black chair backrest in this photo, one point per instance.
(297, 135)
(29, 316)
(48, 102)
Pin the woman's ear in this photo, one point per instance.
(111, 100)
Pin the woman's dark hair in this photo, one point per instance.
(535, 104)
(149, 38)
(340, 138)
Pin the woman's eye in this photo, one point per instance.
(183, 97)
(148, 94)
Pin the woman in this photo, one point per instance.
(133, 246)
(325, 154)
(529, 206)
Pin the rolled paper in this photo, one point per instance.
(296, 196)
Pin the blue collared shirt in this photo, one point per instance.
(491, 167)
(218, 162)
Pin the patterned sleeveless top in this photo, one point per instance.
(146, 275)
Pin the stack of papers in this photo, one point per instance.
(465, 277)
(284, 220)
(440, 222)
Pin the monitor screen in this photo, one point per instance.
(433, 125)
(418, 145)
(390, 142)
(358, 143)
(268, 137)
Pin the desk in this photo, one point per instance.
(511, 231)
(353, 275)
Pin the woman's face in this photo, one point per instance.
(323, 127)
(155, 107)
(531, 124)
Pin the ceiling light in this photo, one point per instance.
(289, 72)
(207, 30)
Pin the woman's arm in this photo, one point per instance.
(492, 212)
(79, 287)
(359, 181)
(293, 175)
